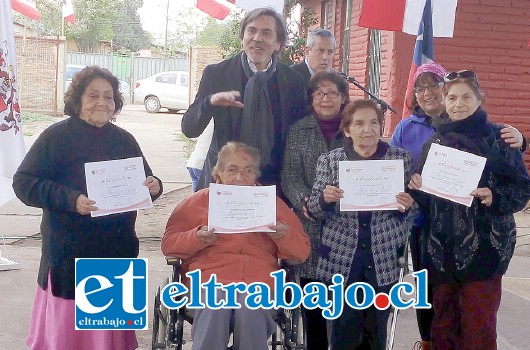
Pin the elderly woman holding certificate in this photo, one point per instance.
(52, 177)
(468, 248)
(362, 246)
(245, 257)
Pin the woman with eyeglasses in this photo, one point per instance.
(307, 139)
(362, 246)
(468, 249)
(411, 133)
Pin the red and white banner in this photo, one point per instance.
(26, 8)
(406, 15)
(68, 11)
(423, 51)
(12, 149)
(221, 8)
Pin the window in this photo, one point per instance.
(167, 79)
(184, 79)
(328, 16)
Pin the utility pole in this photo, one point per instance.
(165, 36)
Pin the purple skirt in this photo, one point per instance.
(53, 328)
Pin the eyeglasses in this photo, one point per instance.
(465, 74)
(431, 88)
(319, 95)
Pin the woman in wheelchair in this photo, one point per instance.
(248, 257)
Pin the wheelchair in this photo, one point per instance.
(168, 325)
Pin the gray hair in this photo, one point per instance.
(281, 28)
(232, 147)
(322, 33)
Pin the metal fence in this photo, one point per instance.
(37, 62)
(129, 68)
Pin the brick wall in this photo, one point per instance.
(490, 37)
(200, 57)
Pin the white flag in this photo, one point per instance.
(68, 11)
(252, 4)
(12, 149)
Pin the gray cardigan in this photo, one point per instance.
(305, 143)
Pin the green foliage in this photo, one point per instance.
(231, 44)
(294, 51)
(94, 21)
(29, 117)
(211, 34)
(188, 145)
(49, 24)
(128, 32)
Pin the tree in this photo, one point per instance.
(94, 22)
(128, 31)
(294, 50)
(211, 34)
(49, 24)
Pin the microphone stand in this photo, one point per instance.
(384, 106)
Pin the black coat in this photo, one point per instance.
(464, 244)
(302, 69)
(52, 176)
(228, 75)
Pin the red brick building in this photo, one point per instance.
(490, 37)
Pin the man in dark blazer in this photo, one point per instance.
(252, 97)
(319, 52)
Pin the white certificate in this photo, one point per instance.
(371, 184)
(451, 174)
(117, 186)
(239, 209)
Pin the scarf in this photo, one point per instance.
(329, 127)
(257, 123)
(469, 135)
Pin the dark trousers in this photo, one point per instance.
(315, 323)
(423, 316)
(361, 329)
(465, 315)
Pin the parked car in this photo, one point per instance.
(71, 69)
(166, 89)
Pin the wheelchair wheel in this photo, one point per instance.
(179, 330)
(160, 320)
(298, 329)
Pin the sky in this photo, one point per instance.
(181, 13)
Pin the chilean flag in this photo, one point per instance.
(221, 8)
(68, 11)
(405, 15)
(423, 50)
(12, 149)
(26, 8)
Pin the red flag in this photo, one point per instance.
(423, 51)
(405, 15)
(25, 8)
(221, 8)
(12, 148)
(68, 11)
(213, 8)
(252, 4)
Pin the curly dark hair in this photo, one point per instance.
(80, 81)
